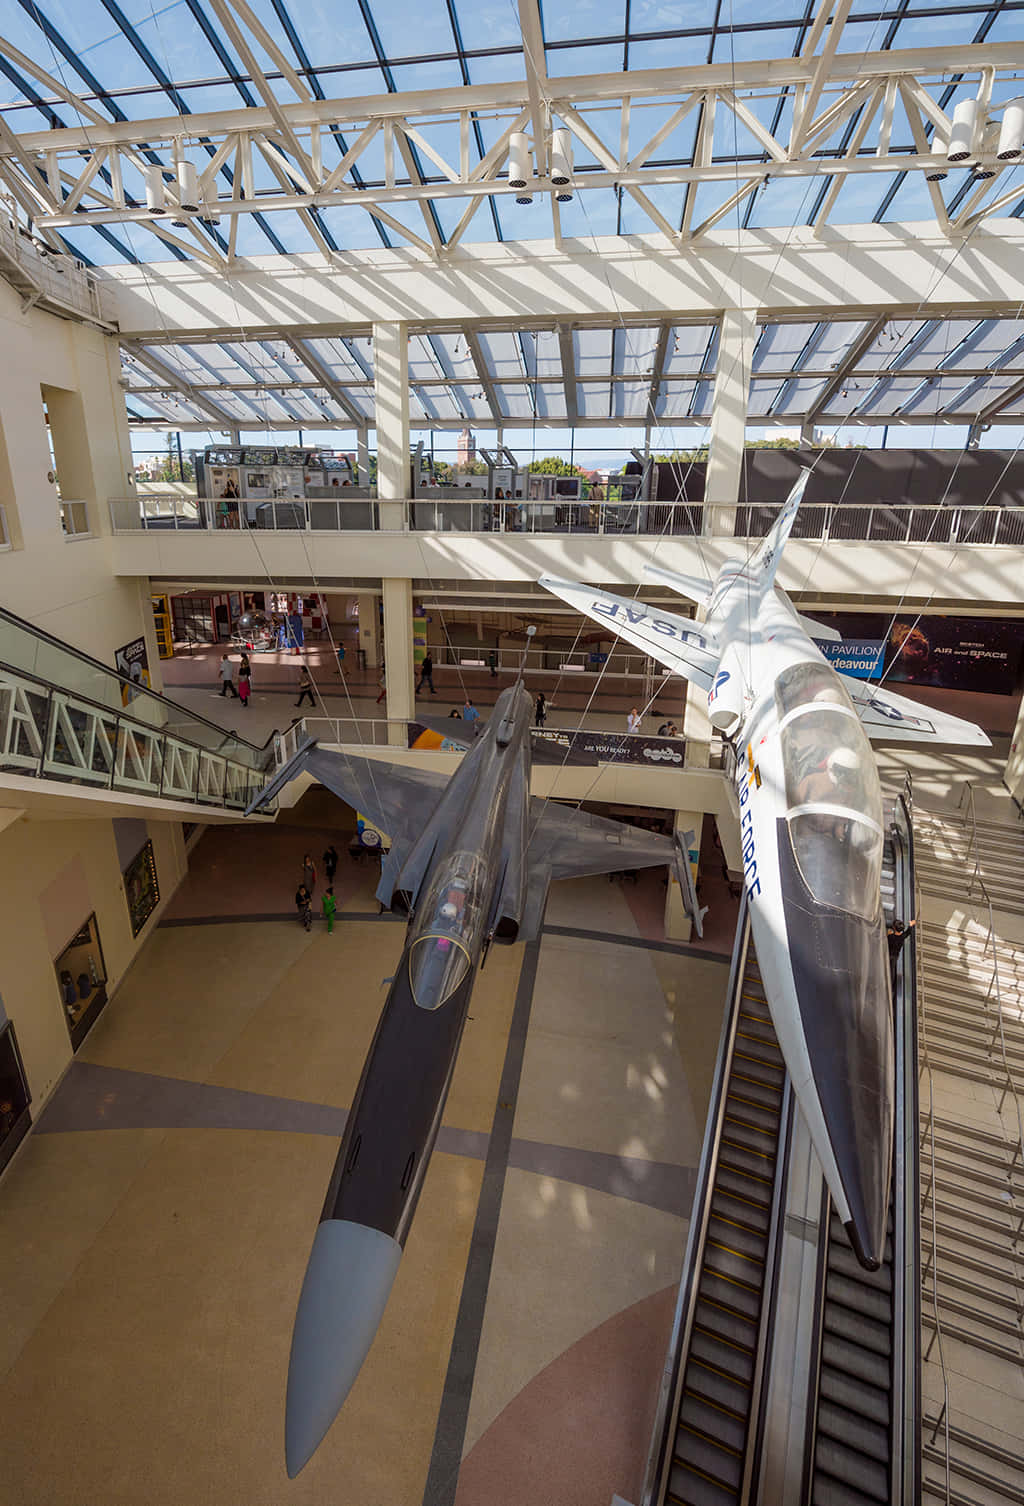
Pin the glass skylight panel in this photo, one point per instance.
(437, 403)
(543, 353)
(550, 400)
(1000, 344)
(359, 398)
(515, 400)
(941, 346)
(631, 400)
(635, 351)
(979, 393)
(503, 355)
(423, 361)
(675, 399)
(472, 400)
(834, 341)
(850, 397)
(592, 350)
(701, 405)
(593, 399)
(346, 360)
(565, 61)
(687, 351)
(763, 392)
(798, 396)
(454, 354)
(780, 345)
(892, 339)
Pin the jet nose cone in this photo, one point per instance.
(348, 1281)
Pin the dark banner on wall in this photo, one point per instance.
(141, 889)
(132, 661)
(611, 747)
(953, 653)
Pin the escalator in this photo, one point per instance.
(67, 719)
(734, 1424)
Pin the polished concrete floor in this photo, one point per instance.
(155, 1226)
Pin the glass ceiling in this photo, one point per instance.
(142, 59)
(843, 371)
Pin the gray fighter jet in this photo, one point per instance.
(470, 862)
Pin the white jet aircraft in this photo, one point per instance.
(812, 834)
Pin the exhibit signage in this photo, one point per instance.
(132, 661)
(614, 747)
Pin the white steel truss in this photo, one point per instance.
(282, 155)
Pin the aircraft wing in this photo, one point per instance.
(397, 799)
(895, 718)
(676, 642)
(568, 843)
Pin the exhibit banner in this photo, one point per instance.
(132, 661)
(574, 748)
(860, 657)
(953, 653)
(419, 639)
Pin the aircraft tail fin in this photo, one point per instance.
(765, 560)
(689, 586)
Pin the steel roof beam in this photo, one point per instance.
(847, 367)
(324, 378)
(483, 373)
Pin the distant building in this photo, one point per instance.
(466, 452)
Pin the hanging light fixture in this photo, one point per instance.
(188, 186)
(520, 165)
(1011, 132)
(961, 137)
(561, 164)
(156, 191)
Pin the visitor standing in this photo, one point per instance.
(309, 872)
(470, 714)
(304, 905)
(492, 664)
(227, 676)
(540, 710)
(244, 679)
(305, 687)
(331, 863)
(633, 721)
(426, 675)
(341, 659)
(330, 909)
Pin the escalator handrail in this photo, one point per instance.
(673, 1375)
(906, 1412)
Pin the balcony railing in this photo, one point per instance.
(839, 522)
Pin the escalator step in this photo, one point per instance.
(738, 1106)
(754, 1189)
(844, 1262)
(851, 1469)
(755, 1004)
(853, 1432)
(719, 1464)
(751, 1028)
(725, 1324)
(688, 1488)
(852, 1359)
(825, 1491)
(749, 1067)
(758, 1051)
(725, 1293)
(721, 1231)
(858, 1297)
(854, 1329)
(739, 1210)
(736, 1364)
(767, 1095)
(845, 1390)
(737, 1158)
(721, 1427)
(722, 1262)
(715, 1387)
(737, 1132)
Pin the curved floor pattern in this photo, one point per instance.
(564, 1441)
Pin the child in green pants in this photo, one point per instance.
(330, 906)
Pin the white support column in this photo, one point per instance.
(363, 456)
(369, 628)
(729, 420)
(678, 925)
(401, 698)
(391, 393)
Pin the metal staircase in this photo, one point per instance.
(68, 718)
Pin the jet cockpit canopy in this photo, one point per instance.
(448, 928)
(833, 798)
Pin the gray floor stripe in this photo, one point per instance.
(678, 947)
(450, 1435)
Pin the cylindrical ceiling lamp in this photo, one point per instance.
(961, 137)
(1011, 133)
(561, 164)
(520, 165)
(188, 186)
(156, 194)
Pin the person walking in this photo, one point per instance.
(492, 664)
(895, 936)
(244, 679)
(540, 710)
(341, 659)
(471, 715)
(331, 863)
(330, 909)
(309, 873)
(227, 676)
(382, 682)
(304, 905)
(633, 721)
(426, 675)
(306, 687)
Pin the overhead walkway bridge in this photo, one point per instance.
(71, 726)
(793, 1374)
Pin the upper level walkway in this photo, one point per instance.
(957, 555)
